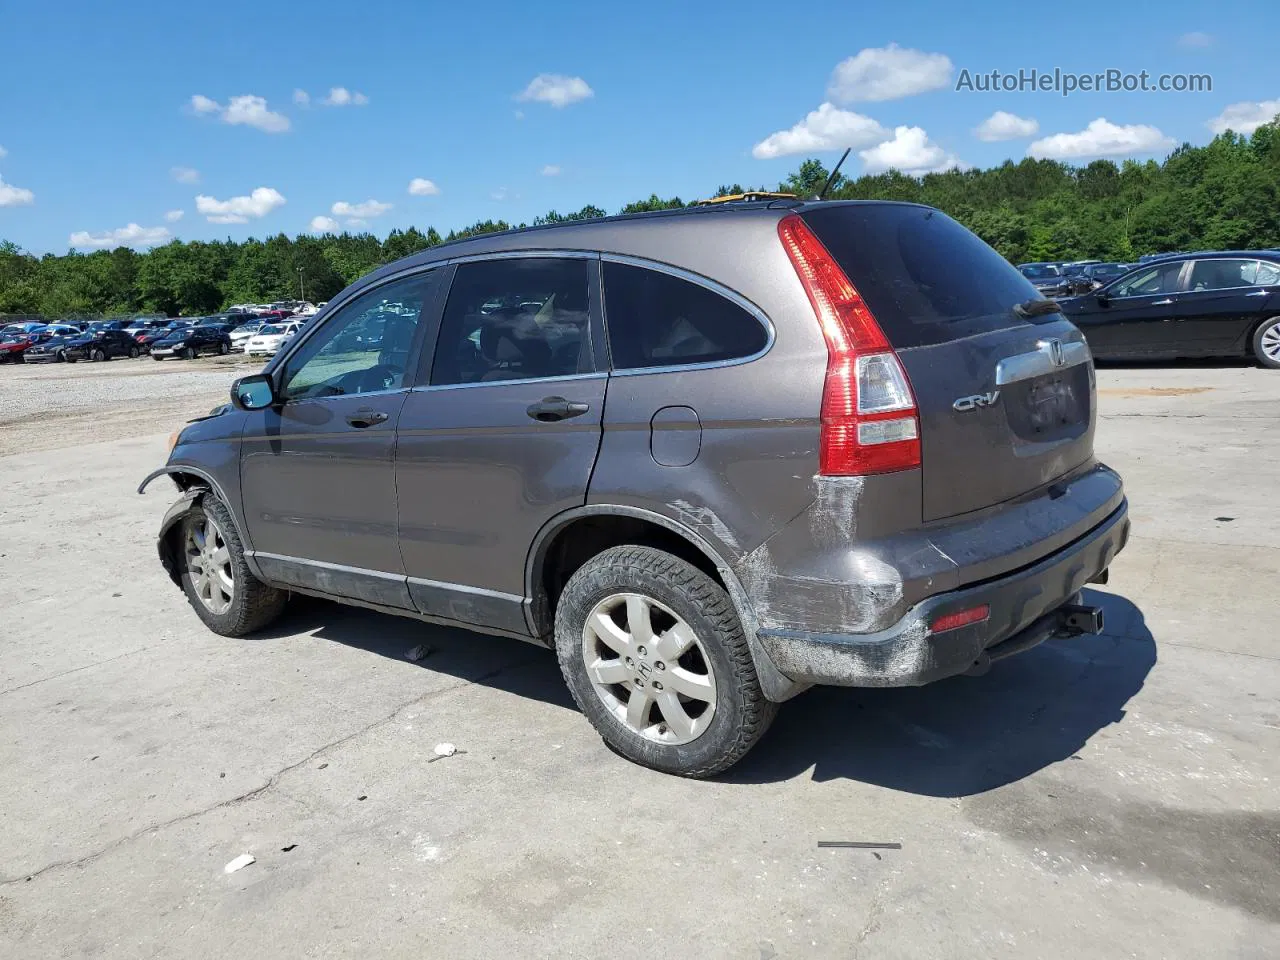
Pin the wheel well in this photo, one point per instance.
(585, 537)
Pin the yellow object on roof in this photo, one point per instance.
(749, 195)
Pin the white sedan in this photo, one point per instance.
(268, 341)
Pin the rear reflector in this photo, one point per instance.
(869, 421)
(962, 618)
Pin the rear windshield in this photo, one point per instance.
(926, 278)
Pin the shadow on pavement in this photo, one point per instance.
(517, 667)
(965, 735)
(954, 738)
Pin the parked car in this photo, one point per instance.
(1195, 305)
(189, 342)
(241, 335)
(142, 325)
(100, 343)
(1047, 278)
(1095, 275)
(51, 348)
(815, 443)
(14, 346)
(269, 339)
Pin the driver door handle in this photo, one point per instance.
(1161, 303)
(1259, 293)
(367, 417)
(553, 409)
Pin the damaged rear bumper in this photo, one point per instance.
(1026, 608)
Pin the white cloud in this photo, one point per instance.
(301, 98)
(324, 225)
(827, 128)
(888, 73)
(342, 97)
(499, 194)
(185, 174)
(422, 187)
(11, 196)
(3, 153)
(1245, 117)
(910, 152)
(130, 236)
(1100, 138)
(556, 89)
(370, 208)
(1195, 40)
(519, 114)
(1005, 126)
(550, 170)
(173, 216)
(240, 209)
(247, 110)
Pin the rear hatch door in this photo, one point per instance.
(1005, 401)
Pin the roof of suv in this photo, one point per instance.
(608, 233)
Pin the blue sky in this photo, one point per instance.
(98, 111)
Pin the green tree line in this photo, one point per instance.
(1224, 195)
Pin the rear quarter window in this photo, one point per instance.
(926, 278)
(656, 319)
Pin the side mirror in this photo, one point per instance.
(254, 392)
(1102, 298)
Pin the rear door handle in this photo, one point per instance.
(552, 409)
(1161, 303)
(367, 417)
(1259, 293)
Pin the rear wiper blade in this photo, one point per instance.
(1036, 308)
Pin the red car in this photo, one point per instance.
(14, 345)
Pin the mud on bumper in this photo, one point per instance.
(1026, 607)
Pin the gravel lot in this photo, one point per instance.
(45, 405)
(1111, 796)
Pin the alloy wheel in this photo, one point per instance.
(209, 563)
(649, 668)
(1270, 342)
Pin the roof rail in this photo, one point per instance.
(746, 197)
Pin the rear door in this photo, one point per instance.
(1222, 301)
(318, 470)
(1005, 404)
(504, 435)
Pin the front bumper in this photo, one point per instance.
(165, 351)
(30, 357)
(1024, 610)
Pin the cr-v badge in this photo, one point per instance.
(977, 400)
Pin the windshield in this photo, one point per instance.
(271, 330)
(1038, 271)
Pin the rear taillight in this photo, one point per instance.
(869, 421)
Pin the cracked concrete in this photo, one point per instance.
(1114, 790)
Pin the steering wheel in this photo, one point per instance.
(381, 376)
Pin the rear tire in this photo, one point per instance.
(223, 349)
(1266, 343)
(710, 709)
(218, 583)
(98, 355)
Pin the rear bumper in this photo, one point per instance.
(1025, 609)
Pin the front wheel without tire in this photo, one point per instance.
(98, 355)
(1266, 343)
(188, 354)
(133, 353)
(218, 583)
(654, 655)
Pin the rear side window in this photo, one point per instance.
(926, 278)
(659, 320)
(514, 319)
